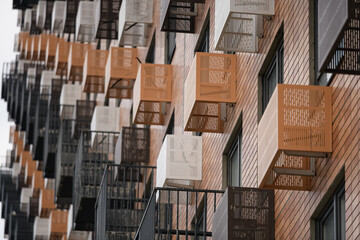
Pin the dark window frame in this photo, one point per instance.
(150, 56)
(235, 149)
(333, 207)
(170, 129)
(170, 44)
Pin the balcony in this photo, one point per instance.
(179, 162)
(70, 93)
(41, 228)
(134, 18)
(37, 183)
(58, 17)
(295, 128)
(30, 168)
(58, 224)
(210, 85)
(27, 20)
(33, 209)
(44, 38)
(123, 196)
(90, 162)
(106, 17)
(76, 61)
(120, 74)
(62, 57)
(163, 220)
(23, 106)
(83, 114)
(25, 195)
(238, 24)
(105, 119)
(46, 202)
(152, 90)
(256, 220)
(71, 10)
(51, 48)
(338, 37)
(20, 228)
(33, 98)
(85, 22)
(179, 15)
(133, 146)
(44, 14)
(94, 71)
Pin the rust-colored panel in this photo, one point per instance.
(30, 169)
(46, 202)
(37, 183)
(58, 221)
(43, 40)
(51, 47)
(35, 48)
(94, 71)
(76, 60)
(62, 57)
(120, 74)
(210, 82)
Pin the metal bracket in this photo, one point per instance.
(297, 172)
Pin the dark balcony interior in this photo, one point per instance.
(33, 98)
(133, 146)
(23, 4)
(49, 11)
(84, 111)
(33, 209)
(95, 151)
(109, 15)
(19, 227)
(71, 12)
(164, 220)
(123, 196)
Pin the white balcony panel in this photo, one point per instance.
(19, 18)
(31, 77)
(85, 22)
(134, 18)
(25, 195)
(41, 14)
(58, 17)
(45, 82)
(15, 171)
(27, 20)
(70, 93)
(21, 66)
(42, 228)
(50, 183)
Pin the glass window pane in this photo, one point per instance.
(342, 216)
(234, 169)
(328, 227)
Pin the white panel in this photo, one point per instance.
(70, 93)
(31, 77)
(19, 18)
(70, 221)
(45, 82)
(50, 183)
(42, 228)
(259, 7)
(21, 64)
(106, 119)
(41, 14)
(27, 20)
(97, 15)
(134, 17)
(16, 43)
(25, 195)
(58, 17)
(16, 169)
(85, 22)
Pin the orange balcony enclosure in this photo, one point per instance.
(121, 70)
(94, 71)
(43, 40)
(28, 48)
(37, 183)
(58, 224)
(35, 48)
(295, 128)
(152, 90)
(62, 57)
(76, 61)
(23, 43)
(30, 168)
(210, 85)
(51, 47)
(46, 202)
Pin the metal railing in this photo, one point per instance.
(33, 208)
(123, 196)
(95, 150)
(172, 213)
(33, 98)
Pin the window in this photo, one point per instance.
(170, 44)
(203, 43)
(234, 162)
(171, 127)
(198, 222)
(150, 57)
(331, 222)
(273, 75)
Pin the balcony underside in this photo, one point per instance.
(120, 88)
(49, 165)
(94, 84)
(107, 30)
(150, 113)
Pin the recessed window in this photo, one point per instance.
(273, 75)
(204, 42)
(234, 162)
(171, 126)
(150, 57)
(330, 224)
(170, 43)
(198, 222)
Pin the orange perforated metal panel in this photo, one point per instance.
(296, 126)
(210, 82)
(51, 47)
(37, 183)
(76, 60)
(152, 88)
(94, 71)
(62, 57)
(58, 222)
(46, 202)
(23, 39)
(43, 40)
(30, 169)
(28, 46)
(35, 48)
(120, 73)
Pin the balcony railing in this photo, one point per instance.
(152, 90)
(41, 228)
(179, 15)
(339, 36)
(51, 48)
(83, 114)
(210, 85)
(85, 22)
(62, 57)
(121, 70)
(94, 71)
(239, 24)
(46, 202)
(76, 61)
(123, 196)
(70, 13)
(134, 18)
(58, 17)
(165, 220)
(133, 146)
(106, 17)
(90, 162)
(295, 128)
(23, 107)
